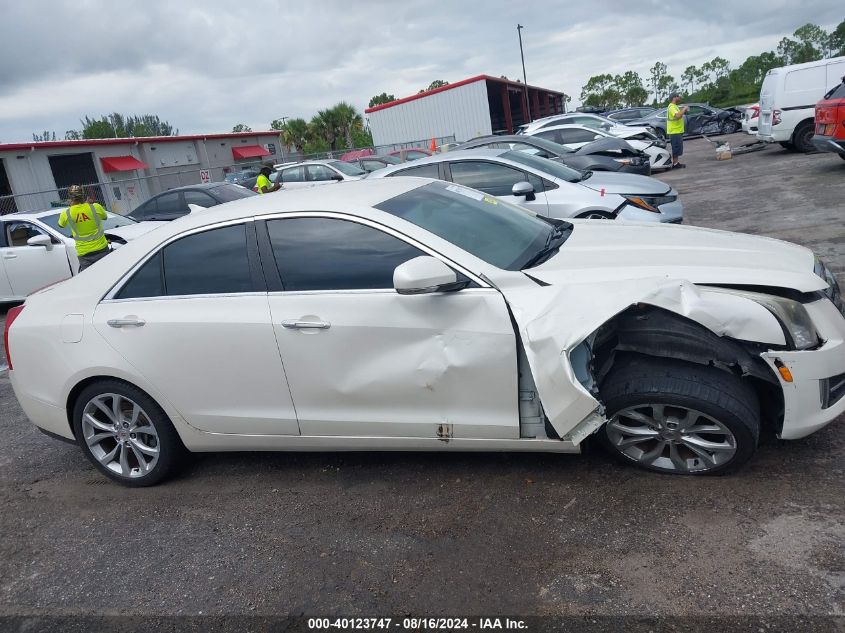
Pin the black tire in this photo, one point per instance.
(842, 156)
(802, 137)
(789, 147)
(170, 449)
(676, 385)
(730, 127)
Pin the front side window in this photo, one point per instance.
(320, 173)
(578, 136)
(330, 254)
(544, 166)
(228, 193)
(17, 233)
(145, 211)
(492, 178)
(497, 232)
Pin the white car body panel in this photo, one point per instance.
(602, 269)
(795, 90)
(281, 169)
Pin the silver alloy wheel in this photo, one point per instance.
(120, 435)
(671, 438)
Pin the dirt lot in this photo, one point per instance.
(421, 534)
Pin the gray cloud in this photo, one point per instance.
(205, 67)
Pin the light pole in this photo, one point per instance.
(519, 28)
(281, 140)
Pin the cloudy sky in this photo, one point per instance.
(205, 66)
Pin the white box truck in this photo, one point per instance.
(788, 99)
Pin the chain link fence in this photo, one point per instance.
(123, 194)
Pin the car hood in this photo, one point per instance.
(624, 183)
(607, 145)
(132, 231)
(599, 251)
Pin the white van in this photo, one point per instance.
(788, 99)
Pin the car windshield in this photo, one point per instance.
(347, 168)
(500, 233)
(545, 166)
(228, 193)
(112, 222)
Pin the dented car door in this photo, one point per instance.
(363, 360)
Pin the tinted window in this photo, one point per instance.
(227, 193)
(17, 233)
(199, 198)
(320, 172)
(837, 93)
(544, 166)
(422, 171)
(347, 168)
(328, 254)
(578, 136)
(169, 204)
(414, 155)
(497, 180)
(144, 283)
(372, 165)
(210, 262)
(294, 174)
(145, 210)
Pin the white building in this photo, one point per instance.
(123, 172)
(473, 107)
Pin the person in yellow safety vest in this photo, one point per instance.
(85, 220)
(263, 183)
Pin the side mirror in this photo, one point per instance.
(337, 177)
(524, 188)
(41, 240)
(423, 275)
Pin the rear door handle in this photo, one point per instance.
(119, 323)
(306, 325)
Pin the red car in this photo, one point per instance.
(830, 122)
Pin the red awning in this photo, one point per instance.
(249, 151)
(122, 163)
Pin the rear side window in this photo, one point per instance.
(294, 174)
(330, 254)
(199, 198)
(211, 262)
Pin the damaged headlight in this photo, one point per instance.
(792, 315)
(833, 292)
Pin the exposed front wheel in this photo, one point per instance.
(680, 418)
(730, 127)
(125, 434)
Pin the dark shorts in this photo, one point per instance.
(677, 141)
(86, 260)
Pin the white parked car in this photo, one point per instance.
(411, 314)
(577, 136)
(36, 252)
(788, 100)
(750, 118)
(316, 172)
(547, 187)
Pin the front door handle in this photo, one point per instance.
(119, 323)
(9, 256)
(306, 325)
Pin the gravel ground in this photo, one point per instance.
(433, 534)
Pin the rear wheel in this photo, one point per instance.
(680, 418)
(730, 127)
(787, 145)
(125, 434)
(802, 137)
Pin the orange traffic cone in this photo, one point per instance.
(433, 146)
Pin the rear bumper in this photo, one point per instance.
(808, 405)
(46, 417)
(828, 144)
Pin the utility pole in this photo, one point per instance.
(519, 28)
(281, 140)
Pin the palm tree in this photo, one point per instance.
(294, 134)
(325, 125)
(348, 120)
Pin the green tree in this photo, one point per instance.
(294, 133)
(117, 125)
(44, 136)
(630, 87)
(241, 127)
(657, 80)
(437, 83)
(381, 99)
(325, 126)
(601, 91)
(348, 121)
(836, 41)
(811, 43)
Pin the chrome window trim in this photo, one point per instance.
(183, 297)
(371, 291)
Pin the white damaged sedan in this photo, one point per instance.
(411, 314)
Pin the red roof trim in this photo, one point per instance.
(121, 163)
(249, 151)
(457, 84)
(9, 147)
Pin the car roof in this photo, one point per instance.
(27, 215)
(316, 161)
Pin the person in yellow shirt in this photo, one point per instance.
(675, 129)
(263, 183)
(85, 220)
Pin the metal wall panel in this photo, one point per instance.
(463, 112)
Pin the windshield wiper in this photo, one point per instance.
(557, 236)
